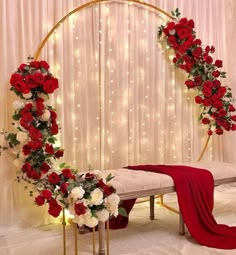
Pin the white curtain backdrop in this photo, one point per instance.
(120, 100)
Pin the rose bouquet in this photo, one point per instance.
(204, 74)
(87, 196)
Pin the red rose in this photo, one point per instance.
(210, 132)
(49, 149)
(26, 150)
(54, 208)
(35, 80)
(219, 131)
(15, 78)
(44, 64)
(233, 117)
(205, 121)
(63, 187)
(39, 105)
(35, 145)
(26, 120)
(59, 153)
(80, 208)
(212, 50)
(198, 79)
(217, 104)
(191, 23)
(222, 112)
(22, 67)
(89, 176)
(47, 194)
(190, 84)
(66, 172)
(183, 32)
(233, 127)
(39, 200)
(208, 59)
(231, 108)
(101, 184)
(26, 167)
(44, 167)
(218, 63)
(50, 85)
(21, 86)
(207, 102)
(171, 26)
(197, 42)
(216, 73)
(53, 115)
(197, 52)
(54, 178)
(198, 99)
(216, 83)
(207, 92)
(35, 134)
(54, 128)
(221, 91)
(35, 64)
(33, 174)
(207, 85)
(108, 190)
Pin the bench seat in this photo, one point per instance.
(132, 184)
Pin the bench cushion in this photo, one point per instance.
(134, 184)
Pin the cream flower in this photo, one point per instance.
(90, 221)
(22, 137)
(17, 105)
(77, 193)
(96, 197)
(28, 95)
(45, 116)
(103, 215)
(111, 203)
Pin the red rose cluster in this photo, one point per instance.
(33, 77)
(204, 75)
(55, 182)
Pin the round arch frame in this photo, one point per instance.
(36, 57)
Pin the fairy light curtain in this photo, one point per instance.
(120, 101)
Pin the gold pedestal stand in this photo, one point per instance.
(76, 238)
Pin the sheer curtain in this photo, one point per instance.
(120, 100)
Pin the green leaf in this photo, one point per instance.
(122, 212)
(109, 177)
(62, 165)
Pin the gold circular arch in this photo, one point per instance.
(90, 3)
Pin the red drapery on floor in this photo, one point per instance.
(195, 189)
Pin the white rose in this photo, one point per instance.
(28, 95)
(111, 203)
(79, 219)
(77, 193)
(17, 163)
(102, 215)
(22, 137)
(96, 197)
(90, 220)
(45, 116)
(17, 105)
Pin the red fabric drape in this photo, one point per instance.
(195, 192)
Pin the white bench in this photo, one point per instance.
(132, 184)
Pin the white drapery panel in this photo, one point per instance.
(120, 100)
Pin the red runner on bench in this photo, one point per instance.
(195, 189)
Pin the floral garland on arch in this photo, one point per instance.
(215, 99)
(88, 196)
